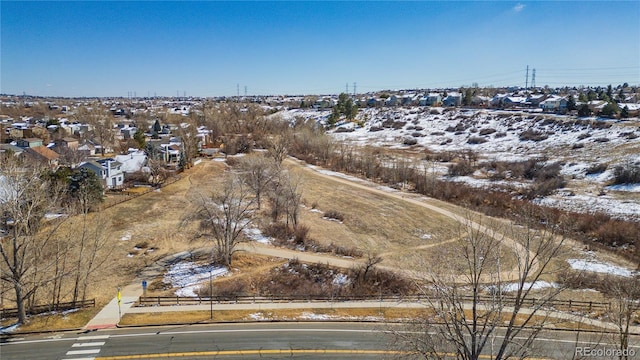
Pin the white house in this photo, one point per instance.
(108, 171)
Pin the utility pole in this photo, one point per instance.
(211, 293)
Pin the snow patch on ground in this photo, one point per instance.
(9, 329)
(625, 187)
(256, 235)
(538, 285)
(186, 276)
(340, 279)
(126, 236)
(599, 267)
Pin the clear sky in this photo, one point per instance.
(208, 48)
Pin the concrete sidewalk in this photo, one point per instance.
(110, 315)
(558, 315)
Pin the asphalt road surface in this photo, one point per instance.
(252, 341)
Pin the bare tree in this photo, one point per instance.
(25, 199)
(278, 147)
(625, 304)
(71, 157)
(101, 121)
(188, 133)
(293, 197)
(224, 215)
(475, 306)
(157, 171)
(257, 172)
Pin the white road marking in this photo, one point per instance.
(94, 337)
(88, 344)
(83, 352)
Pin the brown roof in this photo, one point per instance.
(43, 152)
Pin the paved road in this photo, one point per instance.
(261, 340)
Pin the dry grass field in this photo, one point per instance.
(407, 236)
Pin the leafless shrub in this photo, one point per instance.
(409, 141)
(142, 244)
(628, 173)
(596, 169)
(278, 231)
(487, 131)
(533, 135)
(300, 234)
(474, 140)
(333, 214)
(461, 168)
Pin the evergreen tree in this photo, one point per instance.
(624, 113)
(584, 110)
(609, 110)
(157, 128)
(140, 139)
(571, 103)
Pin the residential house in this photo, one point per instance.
(109, 171)
(632, 109)
(88, 148)
(67, 142)
(452, 99)
(29, 143)
(433, 99)
(11, 149)
(554, 103)
(391, 101)
(514, 101)
(535, 99)
(480, 101)
(498, 100)
(407, 100)
(596, 105)
(43, 154)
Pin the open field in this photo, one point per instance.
(406, 235)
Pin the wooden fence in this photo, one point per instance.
(565, 305)
(39, 309)
(125, 196)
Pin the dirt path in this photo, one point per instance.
(521, 251)
(308, 257)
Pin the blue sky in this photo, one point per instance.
(207, 48)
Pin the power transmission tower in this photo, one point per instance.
(533, 79)
(354, 89)
(346, 88)
(245, 91)
(238, 90)
(526, 83)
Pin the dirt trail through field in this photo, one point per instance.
(521, 251)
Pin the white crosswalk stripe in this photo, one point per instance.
(83, 352)
(97, 343)
(85, 342)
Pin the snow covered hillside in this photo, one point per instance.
(578, 144)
